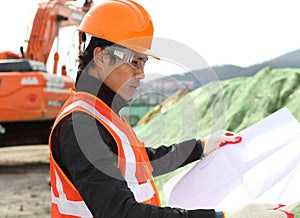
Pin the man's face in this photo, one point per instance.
(122, 75)
(123, 78)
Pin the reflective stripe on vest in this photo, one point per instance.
(65, 206)
(65, 197)
(142, 192)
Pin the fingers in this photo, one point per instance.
(271, 206)
(230, 138)
(289, 207)
(218, 139)
(276, 214)
(261, 206)
(285, 209)
(268, 210)
(257, 210)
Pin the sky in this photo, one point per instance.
(238, 32)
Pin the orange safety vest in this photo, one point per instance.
(133, 160)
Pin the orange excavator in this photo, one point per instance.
(30, 97)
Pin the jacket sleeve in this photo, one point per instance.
(91, 166)
(165, 159)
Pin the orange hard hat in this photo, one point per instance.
(123, 22)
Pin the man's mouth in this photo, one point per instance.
(135, 86)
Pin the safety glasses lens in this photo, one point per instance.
(128, 56)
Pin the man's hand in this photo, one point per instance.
(218, 139)
(258, 211)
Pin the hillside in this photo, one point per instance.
(232, 104)
(224, 72)
(155, 91)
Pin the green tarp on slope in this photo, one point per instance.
(231, 104)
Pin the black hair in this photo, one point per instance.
(87, 56)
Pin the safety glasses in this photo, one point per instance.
(128, 56)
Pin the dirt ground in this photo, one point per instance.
(25, 191)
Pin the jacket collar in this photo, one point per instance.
(97, 88)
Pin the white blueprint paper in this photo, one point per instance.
(264, 167)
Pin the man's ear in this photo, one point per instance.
(98, 57)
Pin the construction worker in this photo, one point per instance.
(98, 166)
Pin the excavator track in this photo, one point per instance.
(25, 133)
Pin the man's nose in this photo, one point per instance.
(139, 73)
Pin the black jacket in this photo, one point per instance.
(87, 153)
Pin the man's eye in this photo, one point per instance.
(135, 62)
(138, 62)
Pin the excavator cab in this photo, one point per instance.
(21, 65)
(30, 95)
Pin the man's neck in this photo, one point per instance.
(96, 87)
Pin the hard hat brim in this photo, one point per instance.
(138, 45)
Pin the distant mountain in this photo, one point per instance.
(224, 72)
(288, 60)
(291, 59)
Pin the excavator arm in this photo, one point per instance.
(50, 17)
